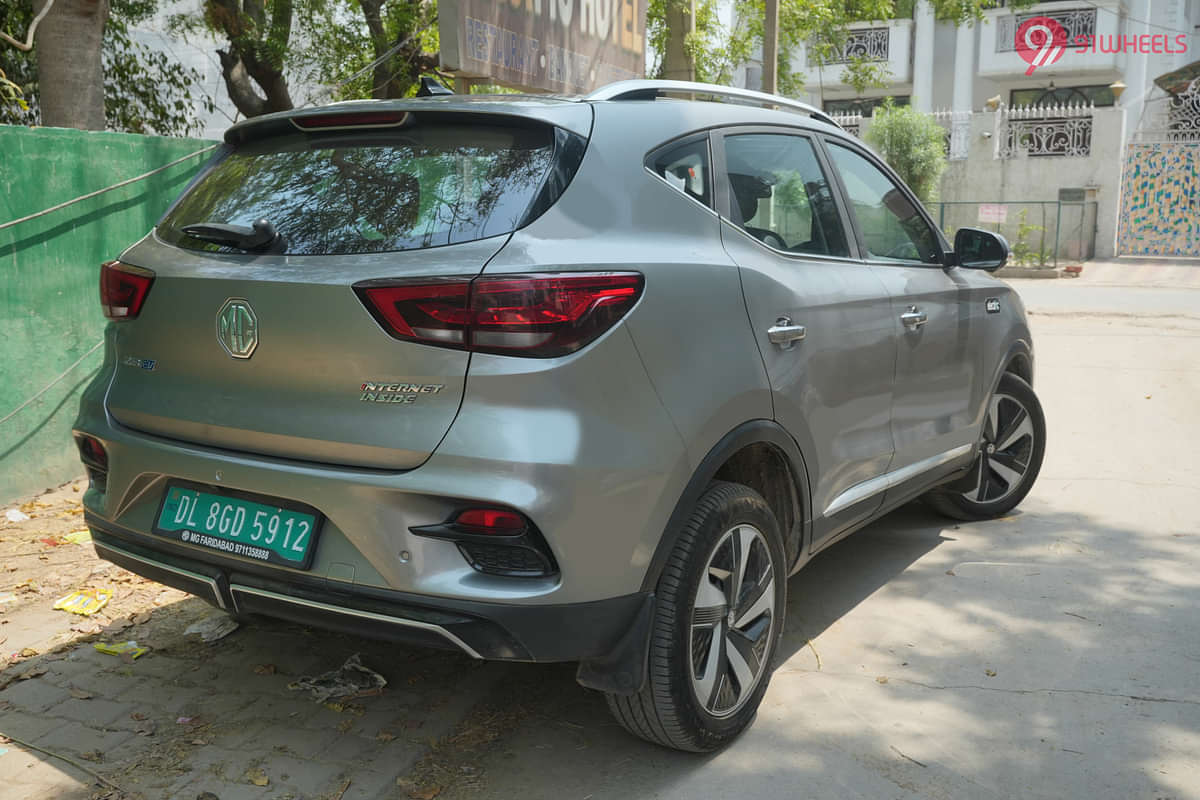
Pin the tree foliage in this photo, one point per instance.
(913, 143)
(355, 48)
(145, 91)
(822, 25)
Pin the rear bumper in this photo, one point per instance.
(567, 632)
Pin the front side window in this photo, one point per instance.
(686, 168)
(891, 225)
(779, 194)
(352, 192)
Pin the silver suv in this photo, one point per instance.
(549, 379)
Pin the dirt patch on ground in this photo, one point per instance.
(188, 717)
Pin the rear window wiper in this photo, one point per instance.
(257, 238)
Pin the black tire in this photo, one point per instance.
(989, 490)
(668, 709)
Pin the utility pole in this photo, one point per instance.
(770, 48)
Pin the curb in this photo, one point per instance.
(1026, 272)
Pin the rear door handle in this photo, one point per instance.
(784, 333)
(914, 318)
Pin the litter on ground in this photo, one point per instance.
(351, 679)
(78, 537)
(212, 628)
(130, 649)
(16, 515)
(84, 602)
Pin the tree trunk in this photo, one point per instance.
(770, 49)
(677, 63)
(70, 72)
(252, 64)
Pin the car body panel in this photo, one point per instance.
(308, 390)
(600, 448)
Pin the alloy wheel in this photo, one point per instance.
(733, 619)
(1005, 453)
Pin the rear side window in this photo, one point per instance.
(351, 192)
(686, 168)
(779, 194)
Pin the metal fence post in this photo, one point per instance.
(1057, 225)
(1042, 241)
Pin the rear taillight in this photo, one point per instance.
(527, 315)
(123, 289)
(95, 460)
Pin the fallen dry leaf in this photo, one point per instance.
(384, 736)
(265, 669)
(80, 694)
(257, 777)
(881, 679)
(991, 673)
(345, 725)
(425, 793)
(28, 652)
(145, 727)
(140, 618)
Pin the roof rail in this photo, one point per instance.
(651, 89)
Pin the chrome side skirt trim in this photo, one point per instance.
(187, 573)
(869, 488)
(354, 612)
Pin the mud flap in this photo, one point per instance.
(623, 670)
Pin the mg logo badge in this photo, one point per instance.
(237, 328)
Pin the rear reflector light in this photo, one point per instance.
(528, 315)
(490, 520)
(123, 289)
(353, 119)
(496, 541)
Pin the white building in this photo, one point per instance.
(1091, 125)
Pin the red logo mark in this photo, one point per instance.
(1040, 42)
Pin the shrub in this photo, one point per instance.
(913, 143)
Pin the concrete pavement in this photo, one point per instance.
(1051, 654)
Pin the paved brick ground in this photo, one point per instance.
(189, 718)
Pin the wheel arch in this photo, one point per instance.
(1018, 359)
(750, 454)
(1019, 363)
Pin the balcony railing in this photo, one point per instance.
(1077, 22)
(1038, 131)
(868, 43)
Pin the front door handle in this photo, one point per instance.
(914, 318)
(784, 333)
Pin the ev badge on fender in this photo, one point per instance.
(993, 305)
(237, 328)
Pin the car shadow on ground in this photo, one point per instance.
(844, 731)
(222, 715)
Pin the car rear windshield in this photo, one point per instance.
(345, 193)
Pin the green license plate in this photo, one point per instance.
(259, 528)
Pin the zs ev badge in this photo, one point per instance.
(237, 328)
